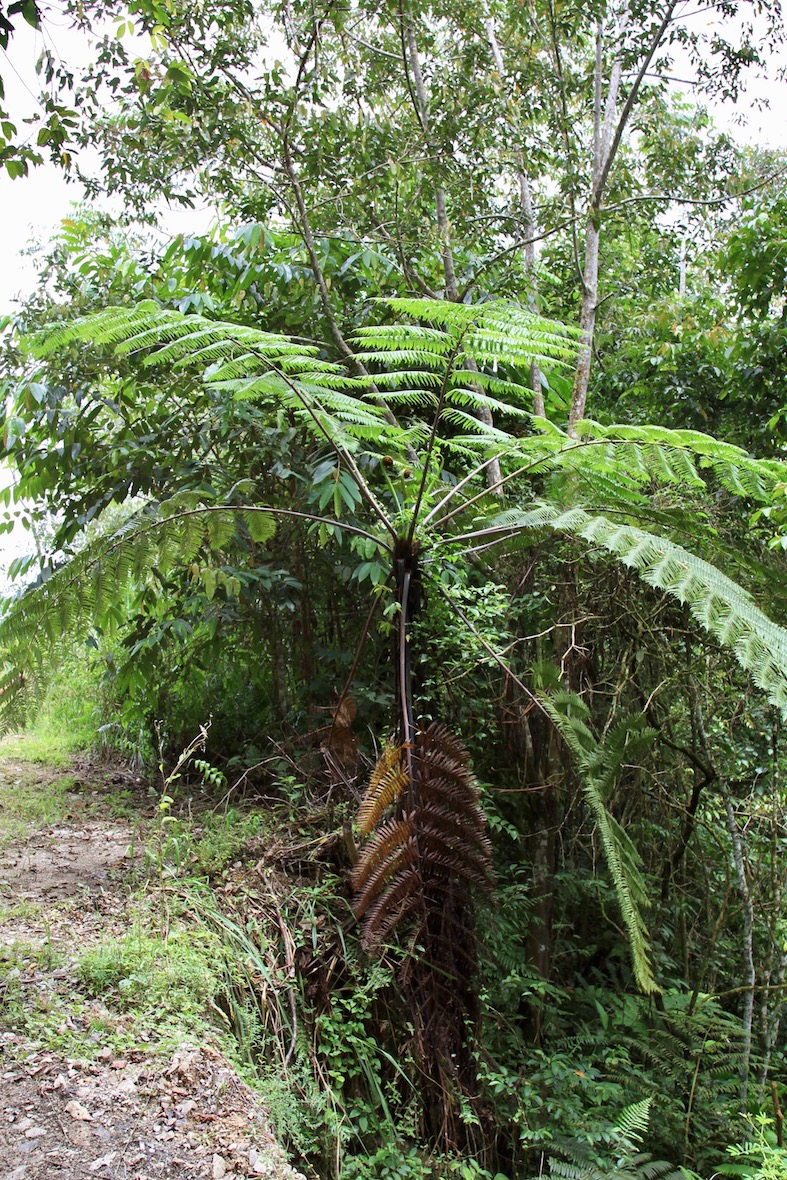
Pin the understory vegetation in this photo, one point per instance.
(415, 537)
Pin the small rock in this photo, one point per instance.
(103, 1161)
(78, 1111)
(258, 1163)
(219, 1167)
(35, 1132)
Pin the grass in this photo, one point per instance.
(142, 989)
(22, 909)
(30, 801)
(35, 747)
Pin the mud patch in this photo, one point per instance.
(66, 860)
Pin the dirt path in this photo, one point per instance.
(141, 1115)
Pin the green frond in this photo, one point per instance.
(714, 600)
(462, 420)
(598, 764)
(240, 360)
(633, 1122)
(495, 332)
(403, 356)
(659, 450)
(422, 398)
(386, 336)
(84, 591)
(459, 395)
(426, 379)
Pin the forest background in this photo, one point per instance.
(440, 490)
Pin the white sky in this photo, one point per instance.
(31, 207)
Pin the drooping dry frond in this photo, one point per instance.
(388, 779)
(440, 832)
(415, 877)
(391, 850)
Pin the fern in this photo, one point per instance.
(624, 1162)
(727, 611)
(598, 765)
(423, 366)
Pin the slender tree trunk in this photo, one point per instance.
(750, 975)
(603, 139)
(609, 126)
(587, 324)
(772, 1006)
(493, 473)
(526, 207)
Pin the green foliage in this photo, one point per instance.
(599, 765)
(625, 1161)
(758, 1158)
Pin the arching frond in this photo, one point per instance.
(82, 591)
(720, 605)
(681, 457)
(88, 590)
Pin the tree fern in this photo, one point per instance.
(610, 469)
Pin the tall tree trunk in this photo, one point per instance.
(526, 208)
(750, 975)
(493, 473)
(603, 139)
(609, 125)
